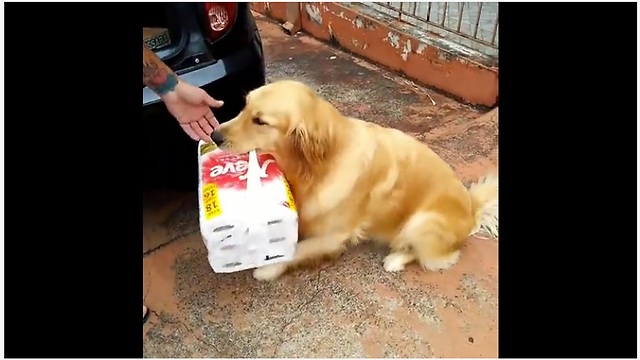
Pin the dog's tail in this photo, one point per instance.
(484, 195)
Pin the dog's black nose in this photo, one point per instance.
(217, 137)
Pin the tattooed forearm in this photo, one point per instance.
(156, 74)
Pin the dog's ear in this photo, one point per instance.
(312, 138)
(308, 144)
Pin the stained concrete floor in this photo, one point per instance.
(349, 308)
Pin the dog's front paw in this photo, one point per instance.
(269, 272)
(394, 262)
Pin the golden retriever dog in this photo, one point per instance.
(354, 180)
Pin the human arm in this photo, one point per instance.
(156, 74)
(189, 104)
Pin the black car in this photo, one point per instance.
(215, 46)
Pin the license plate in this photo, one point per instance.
(156, 38)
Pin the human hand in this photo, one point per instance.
(191, 106)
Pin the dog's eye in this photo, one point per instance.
(258, 121)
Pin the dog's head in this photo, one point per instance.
(284, 118)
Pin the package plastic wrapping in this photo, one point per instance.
(248, 216)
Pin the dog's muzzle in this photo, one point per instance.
(217, 137)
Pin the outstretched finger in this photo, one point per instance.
(212, 120)
(187, 129)
(201, 134)
(205, 126)
(213, 102)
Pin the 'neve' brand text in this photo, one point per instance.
(239, 166)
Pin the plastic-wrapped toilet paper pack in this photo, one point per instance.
(248, 216)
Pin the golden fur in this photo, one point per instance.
(354, 180)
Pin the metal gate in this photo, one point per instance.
(472, 24)
(449, 46)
